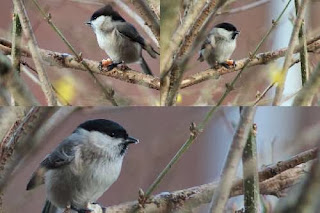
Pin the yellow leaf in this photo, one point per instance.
(179, 98)
(65, 88)
(276, 74)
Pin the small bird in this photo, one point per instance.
(83, 166)
(219, 45)
(119, 39)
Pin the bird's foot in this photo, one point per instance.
(109, 64)
(124, 67)
(83, 210)
(229, 64)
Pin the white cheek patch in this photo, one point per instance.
(222, 33)
(98, 22)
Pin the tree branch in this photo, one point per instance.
(198, 195)
(19, 141)
(311, 88)
(148, 15)
(250, 173)
(289, 53)
(70, 61)
(10, 79)
(34, 49)
(220, 197)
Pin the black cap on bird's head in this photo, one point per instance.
(106, 11)
(229, 27)
(109, 128)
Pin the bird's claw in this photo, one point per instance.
(84, 210)
(229, 64)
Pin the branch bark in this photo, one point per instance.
(10, 79)
(250, 173)
(34, 49)
(149, 16)
(289, 53)
(19, 141)
(311, 88)
(220, 197)
(70, 61)
(271, 184)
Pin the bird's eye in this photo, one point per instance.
(112, 134)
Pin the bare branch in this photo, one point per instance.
(19, 141)
(70, 61)
(311, 88)
(250, 173)
(305, 197)
(303, 51)
(148, 15)
(289, 53)
(27, 29)
(220, 197)
(198, 195)
(10, 79)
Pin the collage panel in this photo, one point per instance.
(99, 155)
(79, 53)
(239, 53)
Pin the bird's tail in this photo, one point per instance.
(145, 67)
(49, 208)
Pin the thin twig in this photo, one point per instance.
(27, 29)
(220, 197)
(289, 53)
(11, 80)
(303, 51)
(263, 94)
(15, 147)
(244, 8)
(16, 42)
(149, 16)
(305, 197)
(250, 173)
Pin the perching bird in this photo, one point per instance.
(219, 45)
(83, 166)
(119, 39)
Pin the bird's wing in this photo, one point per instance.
(130, 31)
(61, 156)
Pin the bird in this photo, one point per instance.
(119, 39)
(219, 45)
(83, 166)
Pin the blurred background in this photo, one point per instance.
(77, 86)
(253, 22)
(282, 133)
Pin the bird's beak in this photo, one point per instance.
(88, 23)
(237, 32)
(131, 140)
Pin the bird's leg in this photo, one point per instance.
(229, 63)
(123, 67)
(109, 64)
(83, 210)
